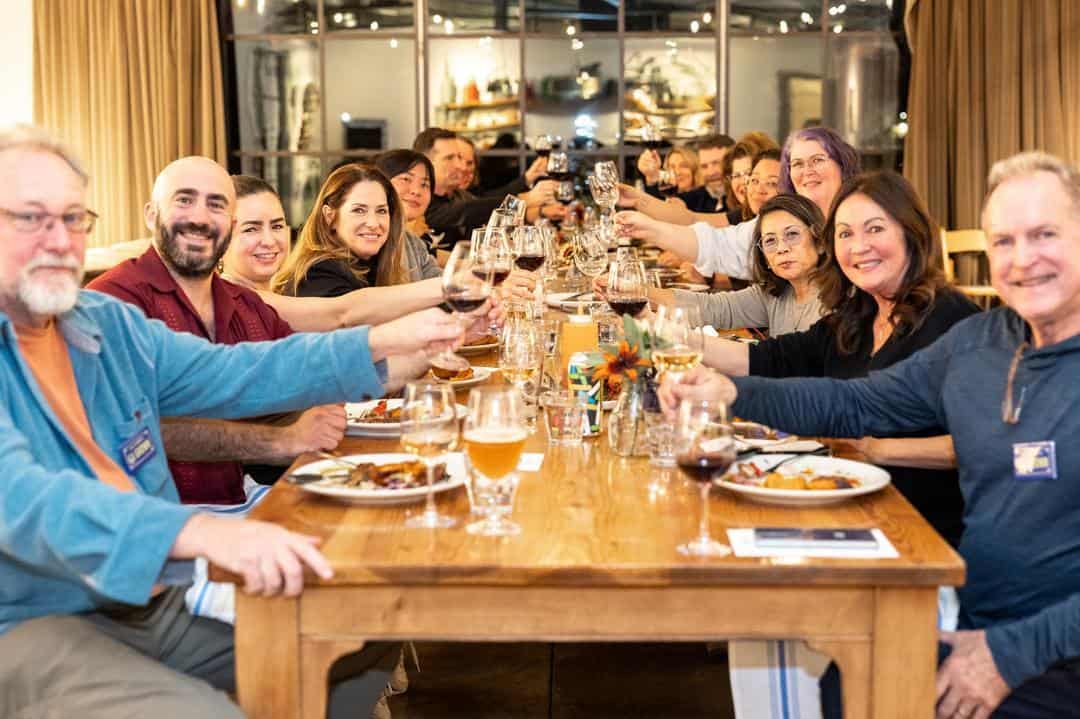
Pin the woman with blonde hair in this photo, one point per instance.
(353, 238)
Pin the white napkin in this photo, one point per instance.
(530, 462)
(742, 543)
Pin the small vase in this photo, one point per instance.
(626, 423)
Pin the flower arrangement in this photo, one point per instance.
(626, 362)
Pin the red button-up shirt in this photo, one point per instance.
(239, 316)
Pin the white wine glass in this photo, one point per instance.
(704, 449)
(679, 339)
(590, 253)
(429, 429)
(466, 287)
(521, 356)
(494, 437)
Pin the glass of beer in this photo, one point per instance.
(704, 449)
(494, 437)
(429, 429)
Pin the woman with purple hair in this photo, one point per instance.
(813, 163)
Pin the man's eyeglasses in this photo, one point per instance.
(814, 163)
(31, 221)
(756, 182)
(771, 243)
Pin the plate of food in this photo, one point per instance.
(751, 435)
(465, 378)
(378, 418)
(803, 480)
(479, 345)
(380, 479)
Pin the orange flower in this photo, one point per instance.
(623, 365)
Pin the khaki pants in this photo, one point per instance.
(156, 661)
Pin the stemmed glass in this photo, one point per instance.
(558, 165)
(493, 254)
(521, 353)
(494, 437)
(466, 287)
(429, 429)
(530, 248)
(590, 253)
(542, 144)
(627, 289)
(704, 448)
(679, 337)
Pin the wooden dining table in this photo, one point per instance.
(596, 560)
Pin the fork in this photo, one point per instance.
(339, 460)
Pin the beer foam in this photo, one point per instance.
(495, 435)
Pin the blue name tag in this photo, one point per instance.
(1034, 461)
(138, 450)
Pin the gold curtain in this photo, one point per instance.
(130, 86)
(989, 78)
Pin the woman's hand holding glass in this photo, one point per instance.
(429, 429)
(700, 383)
(466, 288)
(680, 342)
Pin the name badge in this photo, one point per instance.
(1034, 461)
(138, 450)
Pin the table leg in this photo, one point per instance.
(853, 657)
(317, 656)
(268, 656)
(905, 652)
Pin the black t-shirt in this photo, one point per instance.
(333, 278)
(813, 353)
(458, 217)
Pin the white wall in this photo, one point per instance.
(17, 59)
(756, 64)
(373, 80)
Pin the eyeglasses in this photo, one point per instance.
(31, 221)
(756, 182)
(1010, 412)
(814, 163)
(771, 243)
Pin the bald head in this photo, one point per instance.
(191, 213)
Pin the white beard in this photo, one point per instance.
(52, 296)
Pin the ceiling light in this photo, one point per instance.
(339, 17)
(448, 25)
(694, 26)
(837, 29)
(783, 27)
(437, 19)
(807, 18)
(374, 25)
(571, 30)
(393, 43)
(706, 18)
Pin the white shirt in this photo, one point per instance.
(724, 249)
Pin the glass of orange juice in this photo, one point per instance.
(494, 436)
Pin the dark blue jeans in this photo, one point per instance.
(1053, 695)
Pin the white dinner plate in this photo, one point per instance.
(455, 465)
(467, 350)
(356, 427)
(559, 301)
(871, 479)
(480, 374)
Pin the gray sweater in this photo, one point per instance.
(1021, 537)
(422, 265)
(754, 307)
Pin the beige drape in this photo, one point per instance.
(130, 85)
(989, 78)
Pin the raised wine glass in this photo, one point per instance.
(627, 289)
(492, 254)
(558, 165)
(429, 429)
(542, 145)
(466, 287)
(494, 437)
(680, 342)
(704, 449)
(590, 253)
(530, 248)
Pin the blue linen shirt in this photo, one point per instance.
(1021, 538)
(68, 542)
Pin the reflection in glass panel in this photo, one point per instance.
(370, 93)
(445, 17)
(570, 17)
(474, 85)
(861, 99)
(777, 16)
(670, 85)
(572, 90)
(297, 179)
(273, 16)
(365, 15)
(277, 95)
(776, 84)
(671, 15)
(862, 15)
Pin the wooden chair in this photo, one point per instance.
(956, 241)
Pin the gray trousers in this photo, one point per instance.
(155, 661)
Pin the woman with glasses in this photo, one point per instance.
(886, 297)
(726, 250)
(788, 253)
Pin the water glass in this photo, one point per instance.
(564, 413)
(660, 435)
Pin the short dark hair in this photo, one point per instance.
(714, 142)
(426, 139)
(395, 162)
(852, 310)
(247, 185)
(806, 212)
(770, 154)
